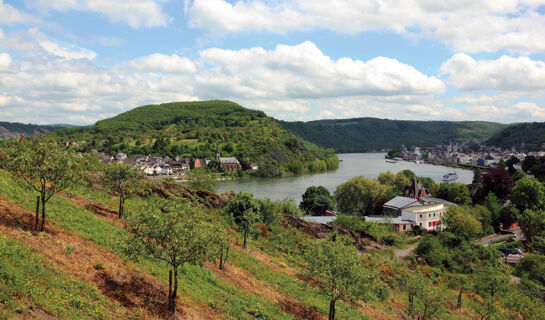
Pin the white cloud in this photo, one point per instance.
(163, 63)
(303, 71)
(467, 25)
(135, 13)
(10, 15)
(504, 74)
(6, 64)
(69, 52)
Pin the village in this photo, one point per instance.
(167, 166)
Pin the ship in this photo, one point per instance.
(451, 176)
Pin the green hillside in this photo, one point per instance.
(531, 135)
(12, 129)
(192, 129)
(367, 134)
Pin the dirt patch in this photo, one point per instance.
(363, 241)
(98, 209)
(87, 262)
(299, 310)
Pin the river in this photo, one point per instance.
(353, 164)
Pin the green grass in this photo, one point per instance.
(27, 283)
(200, 284)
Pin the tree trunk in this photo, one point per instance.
(332, 310)
(411, 304)
(120, 211)
(174, 291)
(221, 257)
(225, 258)
(37, 212)
(43, 213)
(460, 300)
(170, 291)
(245, 245)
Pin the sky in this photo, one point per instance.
(79, 61)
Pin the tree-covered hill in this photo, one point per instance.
(531, 135)
(192, 129)
(12, 129)
(367, 134)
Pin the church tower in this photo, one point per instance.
(218, 152)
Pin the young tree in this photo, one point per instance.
(268, 212)
(358, 196)
(429, 303)
(316, 200)
(172, 232)
(40, 164)
(338, 270)
(460, 282)
(244, 209)
(493, 205)
(532, 224)
(477, 176)
(122, 180)
(491, 280)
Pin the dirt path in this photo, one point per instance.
(121, 282)
(402, 253)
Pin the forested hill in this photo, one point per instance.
(192, 129)
(531, 135)
(12, 129)
(367, 134)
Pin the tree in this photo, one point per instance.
(425, 301)
(427, 182)
(518, 175)
(173, 232)
(338, 271)
(477, 176)
(402, 180)
(528, 163)
(528, 193)
(532, 223)
(386, 178)
(493, 205)
(483, 215)
(461, 283)
(316, 200)
(409, 174)
(454, 192)
(40, 164)
(459, 221)
(244, 210)
(358, 196)
(122, 180)
(491, 280)
(499, 182)
(508, 215)
(268, 212)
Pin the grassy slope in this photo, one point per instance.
(365, 134)
(530, 134)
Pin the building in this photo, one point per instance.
(415, 209)
(197, 163)
(227, 163)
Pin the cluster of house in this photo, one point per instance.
(454, 153)
(155, 165)
(415, 209)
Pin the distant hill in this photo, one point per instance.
(12, 129)
(367, 134)
(532, 135)
(192, 129)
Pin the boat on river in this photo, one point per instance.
(451, 176)
(391, 160)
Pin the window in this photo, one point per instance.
(420, 223)
(420, 216)
(404, 227)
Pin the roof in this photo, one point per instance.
(319, 219)
(229, 160)
(402, 202)
(433, 199)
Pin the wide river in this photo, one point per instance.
(353, 164)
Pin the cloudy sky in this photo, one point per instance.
(78, 61)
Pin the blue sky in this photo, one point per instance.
(79, 61)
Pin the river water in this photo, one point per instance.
(353, 164)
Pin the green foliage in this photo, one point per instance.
(508, 215)
(528, 193)
(346, 135)
(288, 206)
(244, 209)
(316, 200)
(527, 134)
(338, 271)
(427, 182)
(493, 205)
(358, 196)
(454, 192)
(192, 129)
(532, 266)
(461, 222)
(123, 181)
(268, 212)
(380, 232)
(518, 175)
(532, 224)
